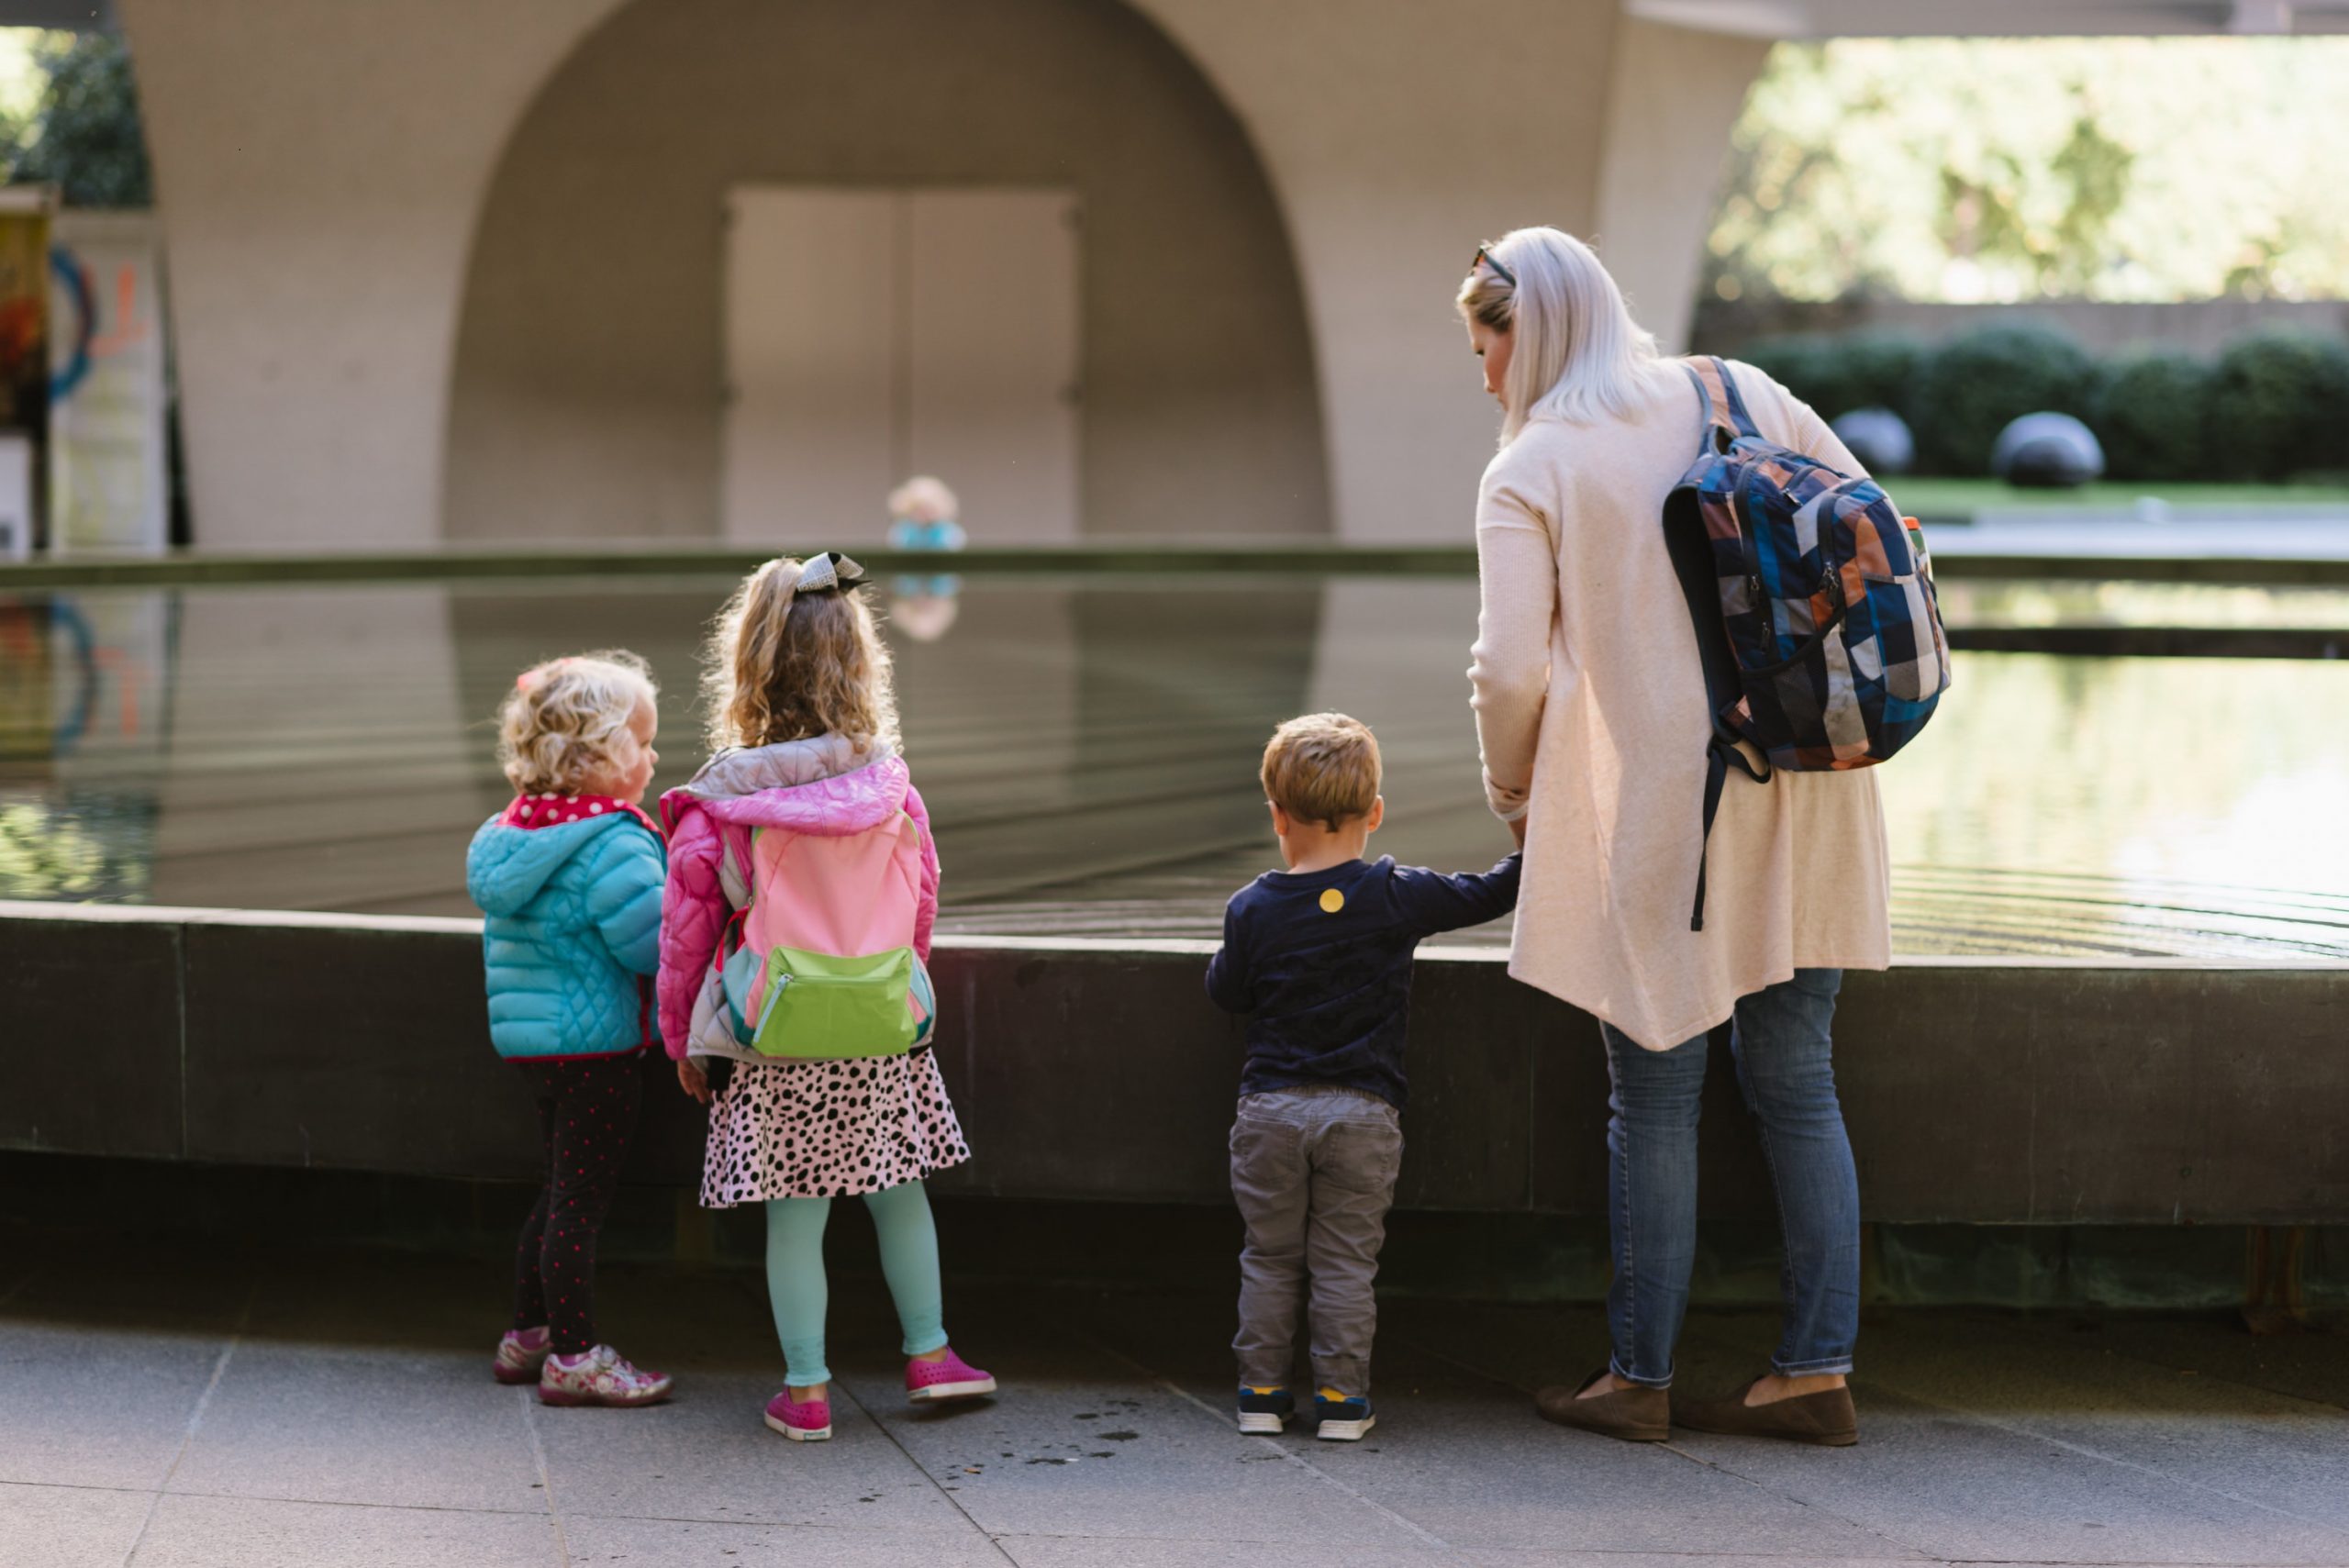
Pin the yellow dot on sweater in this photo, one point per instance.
(1332, 900)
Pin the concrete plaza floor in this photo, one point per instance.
(170, 1408)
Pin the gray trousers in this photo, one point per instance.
(1313, 1172)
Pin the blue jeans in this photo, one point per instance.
(1786, 1070)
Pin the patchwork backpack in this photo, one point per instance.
(1813, 603)
(819, 965)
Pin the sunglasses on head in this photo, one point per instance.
(1485, 258)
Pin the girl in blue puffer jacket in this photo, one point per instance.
(569, 877)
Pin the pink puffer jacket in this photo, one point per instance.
(825, 785)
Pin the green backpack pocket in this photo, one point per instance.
(823, 1008)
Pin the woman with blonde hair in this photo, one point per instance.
(1593, 719)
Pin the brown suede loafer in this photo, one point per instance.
(1826, 1417)
(1634, 1415)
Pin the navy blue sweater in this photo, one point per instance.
(1323, 961)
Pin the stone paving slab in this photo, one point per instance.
(242, 1532)
(326, 1410)
(70, 1527)
(1461, 1456)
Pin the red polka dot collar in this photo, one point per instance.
(555, 810)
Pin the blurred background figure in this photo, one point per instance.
(923, 515)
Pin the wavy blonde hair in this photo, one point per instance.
(1579, 355)
(565, 718)
(782, 665)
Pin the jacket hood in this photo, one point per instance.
(507, 867)
(827, 786)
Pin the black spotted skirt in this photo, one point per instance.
(829, 1129)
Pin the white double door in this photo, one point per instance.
(875, 334)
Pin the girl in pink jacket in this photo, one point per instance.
(802, 884)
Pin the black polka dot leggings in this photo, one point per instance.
(587, 1109)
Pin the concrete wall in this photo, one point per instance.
(588, 378)
(321, 168)
(317, 170)
(1660, 178)
(1980, 1092)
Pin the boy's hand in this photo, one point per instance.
(1517, 831)
(693, 1080)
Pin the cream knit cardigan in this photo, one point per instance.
(1590, 701)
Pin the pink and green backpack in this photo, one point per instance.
(819, 965)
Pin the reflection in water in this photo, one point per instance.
(1089, 746)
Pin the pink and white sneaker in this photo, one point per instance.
(952, 1378)
(520, 1355)
(803, 1423)
(600, 1376)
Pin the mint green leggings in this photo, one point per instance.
(799, 1292)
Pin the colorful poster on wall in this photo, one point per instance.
(109, 483)
(24, 352)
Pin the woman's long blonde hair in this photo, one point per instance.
(782, 665)
(1579, 355)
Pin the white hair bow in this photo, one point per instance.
(829, 570)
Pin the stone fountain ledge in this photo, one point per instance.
(1982, 1090)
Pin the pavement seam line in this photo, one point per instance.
(195, 1420)
(1917, 1552)
(546, 1481)
(842, 1390)
(2147, 1471)
(1211, 1413)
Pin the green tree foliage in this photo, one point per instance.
(1983, 170)
(84, 135)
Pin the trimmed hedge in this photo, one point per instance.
(2279, 404)
(1866, 370)
(2149, 410)
(2274, 404)
(1978, 383)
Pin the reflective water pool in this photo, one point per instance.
(1088, 750)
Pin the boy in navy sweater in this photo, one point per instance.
(1319, 955)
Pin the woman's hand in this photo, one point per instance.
(1517, 831)
(693, 1080)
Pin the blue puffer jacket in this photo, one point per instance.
(573, 920)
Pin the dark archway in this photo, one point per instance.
(585, 397)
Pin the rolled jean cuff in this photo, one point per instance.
(1617, 1368)
(1837, 1366)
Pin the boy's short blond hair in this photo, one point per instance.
(562, 720)
(1322, 768)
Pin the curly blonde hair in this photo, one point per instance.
(782, 665)
(565, 718)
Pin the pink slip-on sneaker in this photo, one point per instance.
(520, 1355)
(600, 1376)
(807, 1423)
(952, 1378)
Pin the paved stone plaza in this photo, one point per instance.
(177, 1410)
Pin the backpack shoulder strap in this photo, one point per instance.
(1723, 416)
